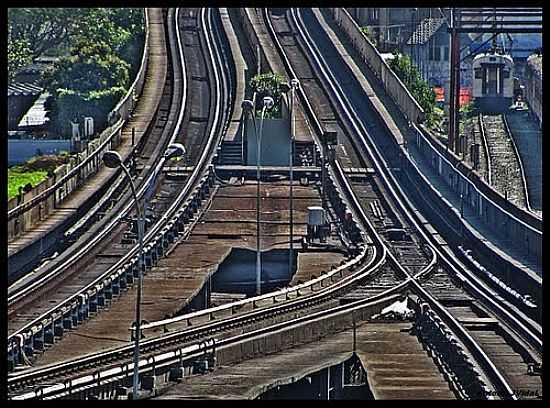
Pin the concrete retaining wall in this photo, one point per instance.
(487, 203)
(370, 55)
(19, 151)
(293, 336)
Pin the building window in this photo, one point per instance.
(506, 74)
(437, 54)
(478, 73)
(446, 53)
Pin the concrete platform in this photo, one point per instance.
(397, 367)
(168, 287)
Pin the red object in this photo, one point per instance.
(465, 96)
(439, 94)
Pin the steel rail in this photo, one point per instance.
(180, 355)
(485, 147)
(331, 82)
(198, 172)
(23, 291)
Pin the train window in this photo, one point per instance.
(478, 73)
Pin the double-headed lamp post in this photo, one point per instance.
(267, 104)
(112, 160)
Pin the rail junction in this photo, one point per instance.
(463, 332)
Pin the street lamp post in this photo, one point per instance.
(112, 159)
(294, 83)
(267, 104)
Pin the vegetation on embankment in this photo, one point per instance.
(32, 172)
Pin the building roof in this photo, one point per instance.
(425, 30)
(31, 88)
(36, 115)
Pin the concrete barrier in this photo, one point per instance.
(497, 213)
(393, 86)
(300, 334)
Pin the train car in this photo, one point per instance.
(493, 84)
(533, 86)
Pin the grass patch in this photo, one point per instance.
(17, 177)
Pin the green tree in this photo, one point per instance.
(43, 28)
(268, 85)
(88, 68)
(19, 55)
(89, 82)
(420, 90)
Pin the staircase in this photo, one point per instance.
(231, 153)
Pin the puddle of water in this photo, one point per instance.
(237, 273)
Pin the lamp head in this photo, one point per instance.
(295, 83)
(112, 159)
(174, 150)
(268, 102)
(247, 105)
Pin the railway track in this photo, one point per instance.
(447, 264)
(414, 261)
(507, 174)
(87, 296)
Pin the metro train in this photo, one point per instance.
(493, 81)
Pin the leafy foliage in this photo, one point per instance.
(19, 55)
(420, 90)
(269, 84)
(97, 44)
(89, 82)
(42, 28)
(370, 35)
(18, 178)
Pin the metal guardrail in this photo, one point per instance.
(177, 357)
(491, 370)
(120, 112)
(155, 236)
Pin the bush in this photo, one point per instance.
(420, 90)
(268, 85)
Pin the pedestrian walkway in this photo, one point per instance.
(503, 245)
(528, 139)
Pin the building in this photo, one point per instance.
(391, 26)
(429, 49)
(25, 90)
(533, 86)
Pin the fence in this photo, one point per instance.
(27, 209)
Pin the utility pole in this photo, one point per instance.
(454, 90)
